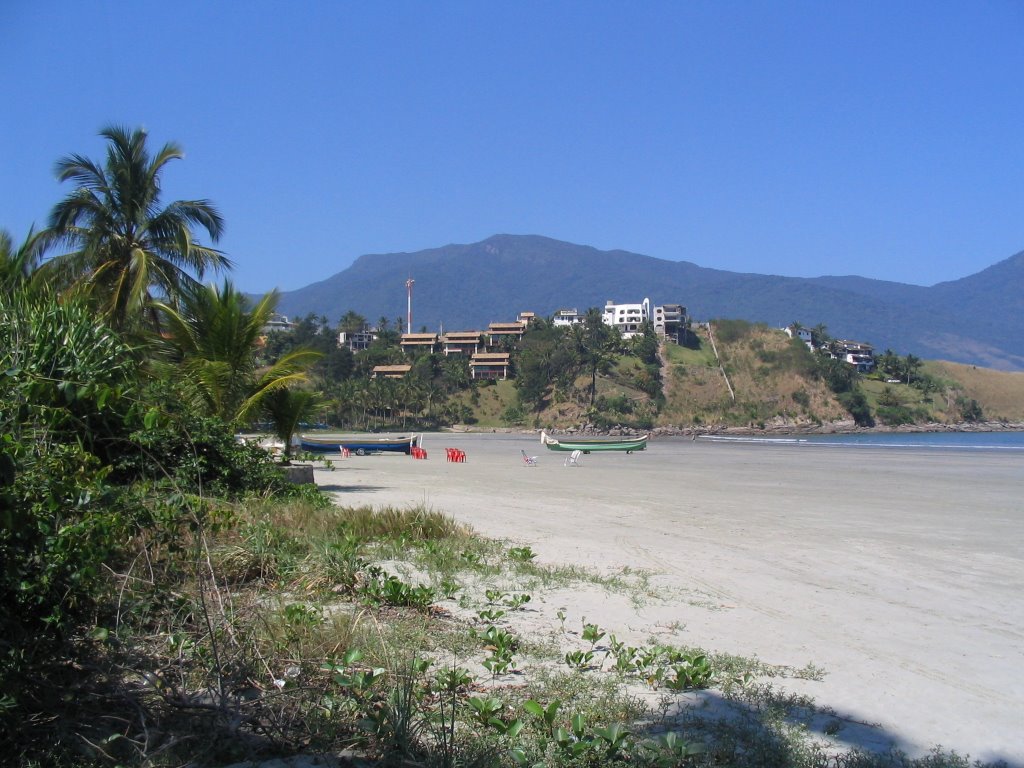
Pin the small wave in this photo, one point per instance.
(950, 441)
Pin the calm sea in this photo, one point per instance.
(982, 441)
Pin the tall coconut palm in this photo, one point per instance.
(125, 245)
(352, 322)
(595, 343)
(217, 334)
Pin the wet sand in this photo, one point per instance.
(900, 572)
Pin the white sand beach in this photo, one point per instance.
(900, 572)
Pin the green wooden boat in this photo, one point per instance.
(591, 444)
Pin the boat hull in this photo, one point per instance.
(359, 445)
(591, 445)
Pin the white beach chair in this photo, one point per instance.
(531, 461)
(573, 459)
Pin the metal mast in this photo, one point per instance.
(408, 317)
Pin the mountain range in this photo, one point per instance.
(977, 319)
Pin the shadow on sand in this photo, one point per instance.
(757, 730)
(332, 488)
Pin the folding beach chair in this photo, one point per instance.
(573, 459)
(531, 461)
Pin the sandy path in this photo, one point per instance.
(900, 572)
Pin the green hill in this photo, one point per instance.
(774, 383)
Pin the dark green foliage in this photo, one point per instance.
(889, 398)
(549, 358)
(596, 343)
(61, 521)
(197, 454)
(894, 415)
(645, 346)
(970, 409)
(64, 375)
(857, 406)
(313, 333)
(839, 376)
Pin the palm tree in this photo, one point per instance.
(286, 407)
(18, 265)
(125, 246)
(217, 335)
(595, 342)
(911, 365)
(352, 322)
(819, 335)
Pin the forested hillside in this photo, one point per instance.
(976, 320)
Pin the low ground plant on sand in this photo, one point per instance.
(313, 645)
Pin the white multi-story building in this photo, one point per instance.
(566, 317)
(628, 318)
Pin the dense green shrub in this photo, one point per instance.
(61, 521)
(894, 415)
(839, 376)
(63, 374)
(197, 455)
(857, 406)
(970, 409)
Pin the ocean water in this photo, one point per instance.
(980, 441)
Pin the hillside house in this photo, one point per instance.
(566, 317)
(804, 334)
(357, 341)
(278, 322)
(628, 318)
(856, 353)
(462, 343)
(490, 365)
(670, 322)
(389, 371)
(418, 342)
(498, 331)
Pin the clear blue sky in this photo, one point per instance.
(884, 139)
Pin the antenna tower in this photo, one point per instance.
(408, 317)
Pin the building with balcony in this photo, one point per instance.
(566, 317)
(856, 353)
(356, 341)
(278, 322)
(670, 322)
(628, 318)
(498, 331)
(415, 342)
(389, 371)
(462, 343)
(490, 365)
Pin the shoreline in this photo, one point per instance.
(782, 429)
(908, 591)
